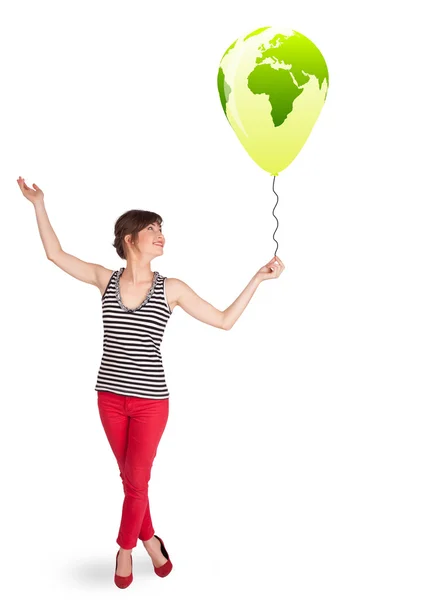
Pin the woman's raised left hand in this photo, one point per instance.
(271, 270)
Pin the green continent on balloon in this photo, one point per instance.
(230, 48)
(297, 51)
(281, 85)
(277, 85)
(223, 88)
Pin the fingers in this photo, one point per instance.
(277, 259)
(280, 261)
(27, 191)
(22, 184)
(276, 270)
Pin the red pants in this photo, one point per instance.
(134, 427)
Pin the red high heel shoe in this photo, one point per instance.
(120, 581)
(167, 567)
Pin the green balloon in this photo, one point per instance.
(272, 84)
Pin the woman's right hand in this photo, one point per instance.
(35, 195)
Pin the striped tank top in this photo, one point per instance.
(131, 363)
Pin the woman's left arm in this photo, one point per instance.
(198, 308)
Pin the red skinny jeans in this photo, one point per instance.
(133, 427)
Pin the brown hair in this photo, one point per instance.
(131, 222)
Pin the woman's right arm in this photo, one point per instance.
(88, 272)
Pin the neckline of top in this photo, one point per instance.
(145, 300)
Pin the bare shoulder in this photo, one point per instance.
(174, 287)
(103, 276)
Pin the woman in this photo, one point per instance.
(132, 395)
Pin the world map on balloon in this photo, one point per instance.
(272, 85)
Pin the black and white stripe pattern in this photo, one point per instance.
(131, 363)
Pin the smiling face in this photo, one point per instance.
(150, 239)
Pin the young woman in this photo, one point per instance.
(132, 395)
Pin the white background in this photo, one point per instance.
(295, 462)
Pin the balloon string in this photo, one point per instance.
(273, 212)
